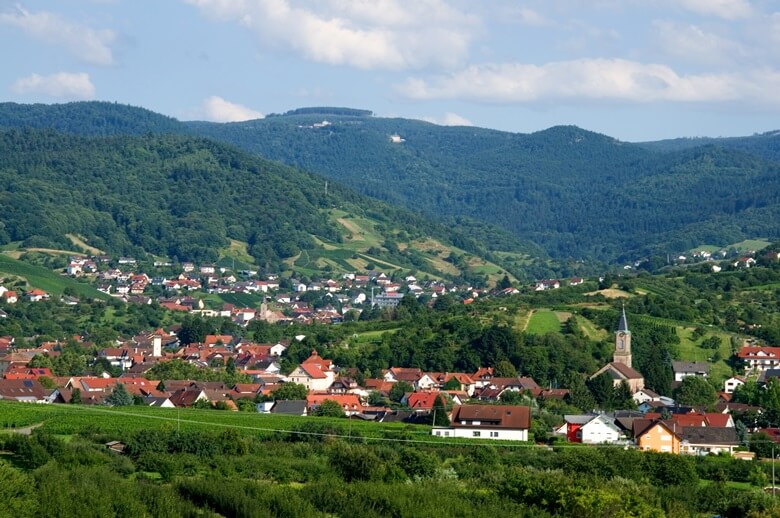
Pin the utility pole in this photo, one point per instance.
(773, 469)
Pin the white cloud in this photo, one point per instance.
(89, 45)
(217, 109)
(62, 85)
(381, 34)
(693, 43)
(594, 79)
(726, 9)
(449, 119)
(526, 16)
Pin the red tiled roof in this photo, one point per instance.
(759, 352)
(422, 400)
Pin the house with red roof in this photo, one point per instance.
(36, 295)
(349, 402)
(315, 373)
(422, 402)
(20, 372)
(759, 359)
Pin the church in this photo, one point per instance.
(620, 369)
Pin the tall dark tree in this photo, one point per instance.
(119, 396)
(602, 389)
(439, 415)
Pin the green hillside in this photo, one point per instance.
(572, 192)
(188, 198)
(45, 279)
(87, 118)
(565, 192)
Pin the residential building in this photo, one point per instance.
(497, 422)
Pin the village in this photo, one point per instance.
(474, 402)
(477, 405)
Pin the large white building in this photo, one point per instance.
(500, 422)
(760, 359)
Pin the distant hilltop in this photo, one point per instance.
(326, 110)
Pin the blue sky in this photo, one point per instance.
(632, 69)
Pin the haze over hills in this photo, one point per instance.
(567, 191)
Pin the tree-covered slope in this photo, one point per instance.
(766, 145)
(88, 118)
(186, 198)
(565, 191)
(573, 192)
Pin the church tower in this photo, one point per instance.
(622, 342)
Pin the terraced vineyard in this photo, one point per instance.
(78, 419)
(47, 280)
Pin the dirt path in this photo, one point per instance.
(26, 430)
(528, 320)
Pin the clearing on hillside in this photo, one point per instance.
(79, 241)
(544, 321)
(611, 293)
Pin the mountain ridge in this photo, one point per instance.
(574, 193)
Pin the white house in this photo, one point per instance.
(643, 395)
(600, 430)
(684, 369)
(731, 384)
(760, 358)
(501, 422)
(315, 373)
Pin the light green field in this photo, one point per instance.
(544, 321)
(522, 318)
(690, 351)
(748, 244)
(47, 280)
(590, 330)
(237, 252)
(752, 244)
(74, 419)
(79, 241)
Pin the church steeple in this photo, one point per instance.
(623, 323)
(622, 341)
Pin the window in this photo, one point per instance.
(446, 434)
(494, 434)
(477, 434)
(438, 432)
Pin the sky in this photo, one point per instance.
(632, 69)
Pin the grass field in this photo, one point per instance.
(47, 280)
(590, 330)
(244, 300)
(544, 321)
(78, 241)
(748, 244)
(690, 351)
(75, 419)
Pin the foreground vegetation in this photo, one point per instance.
(172, 468)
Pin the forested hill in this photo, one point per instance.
(573, 192)
(187, 198)
(766, 145)
(88, 118)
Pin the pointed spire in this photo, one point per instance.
(623, 323)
